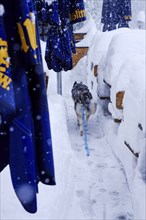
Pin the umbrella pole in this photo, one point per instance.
(59, 83)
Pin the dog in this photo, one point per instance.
(82, 98)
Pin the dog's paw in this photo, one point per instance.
(81, 133)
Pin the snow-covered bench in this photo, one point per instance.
(122, 48)
(96, 63)
(83, 38)
(118, 57)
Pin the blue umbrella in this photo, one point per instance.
(115, 12)
(29, 135)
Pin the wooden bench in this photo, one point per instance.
(79, 36)
(80, 52)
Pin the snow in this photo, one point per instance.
(97, 55)
(49, 2)
(1, 10)
(141, 16)
(90, 29)
(110, 183)
(141, 20)
(124, 72)
(122, 47)
(43, 47)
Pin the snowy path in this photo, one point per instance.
(100, 191)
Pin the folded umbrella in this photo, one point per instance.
(77, 11)
(60, 42)
(110, 15)
(125, 13)
(115, 13)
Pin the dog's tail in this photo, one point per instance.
(92, 107)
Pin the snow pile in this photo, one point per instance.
(90, 29)
(141, 16)
(120, 56)
(141, 20)
(97, 56)
(128, 74)
(121, 48)
(132, 80)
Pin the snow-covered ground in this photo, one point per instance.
(107, 185)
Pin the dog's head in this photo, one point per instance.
(81, 93)
(77, 84)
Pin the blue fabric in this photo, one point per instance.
(77, 11)
(41, 10)
(27, 137)
(7, 102)
(124, 9)
(115, 12)
(53, 13)
(4, 149)
(60, 41)
(58, 49)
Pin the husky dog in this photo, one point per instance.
(82, 97)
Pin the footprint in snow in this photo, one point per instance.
(102, 190)
(80, 193)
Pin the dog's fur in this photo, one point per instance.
(89, 108)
